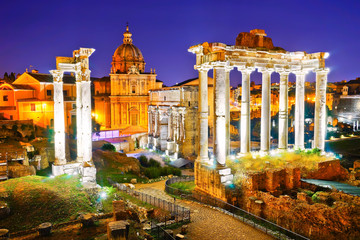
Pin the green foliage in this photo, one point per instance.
(184, 186)
(108, 147)
(143, 161)
(156, 172)
(154, 163)
(103, 176)
(315, 198)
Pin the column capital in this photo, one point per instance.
(266, 70)
(203, 68)
(85, 74)
(300, 72)
(322, 70)
(57, 75)
(283, 72)
(220, 64)
(247, 70)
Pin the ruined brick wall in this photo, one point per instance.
(251, 40)
(328, 170)
(341, 220)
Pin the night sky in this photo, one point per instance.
(35, 32)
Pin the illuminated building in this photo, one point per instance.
(121, 101)
(30, 96)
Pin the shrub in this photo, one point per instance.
(143, 161)
(152, 172)
(108, 147)
(154, 163)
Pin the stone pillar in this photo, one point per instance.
(169, 124)
(320, 109)
(156, 132)
(79, 133)
(245, 111)
(149, 122)
(265, 110)
(227, 108)
(86, 116)
(283, 111)
(59, 121)
(183, 136)
(299, 110)
(203, 114)
(219, 115)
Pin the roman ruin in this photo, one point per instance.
(79, 65)
(253, 51)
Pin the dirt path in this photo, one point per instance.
(206, 223)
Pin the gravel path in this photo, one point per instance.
(207, 223)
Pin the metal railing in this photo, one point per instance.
(238, 213)
(177, 212)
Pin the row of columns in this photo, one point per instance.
(222, 113)
(175, 124)
(83, 116)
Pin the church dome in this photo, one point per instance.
(127, 55)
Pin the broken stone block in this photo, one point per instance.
(179, 237)
(133, 181)
(87, 220)
(118, 230)
(4, 234)
(184, 229)
(44, 229)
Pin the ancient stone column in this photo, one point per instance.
(283, 111)
(170, 124)
(299, 109)
(156, 132)
(219, 115)
(112, 109)
(59, 121)
(203, 114)
(86, 116)
(320, 109)
(79, 106)
(227, 108)
(149, 122)
(265, 110)
(245, 111)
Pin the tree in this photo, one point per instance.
(6, 76)
(12, 76)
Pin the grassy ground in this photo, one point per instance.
(102, 176)
(349, 148)
(34, 200)
(184, 186)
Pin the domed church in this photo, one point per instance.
(127, 90)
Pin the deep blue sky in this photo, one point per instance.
(35, 32)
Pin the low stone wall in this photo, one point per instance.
(327, 170)
(208, 181)
(272, 180)
(315, 220)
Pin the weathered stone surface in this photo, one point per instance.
(44, 229)
(133, 181)
(179, 237)
(18, 170)
(118, 230)
(328, 170)
(4, 234)
(254, 40)
(4, 210)
(87, 220)
(184, 229)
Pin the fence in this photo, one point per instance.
(178, 213)
(246, 217)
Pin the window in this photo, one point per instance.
(52, 122)
(48, 92)
(133, 89)
(164, 98)
(11, 117)
(65, 93)
(5, 98)
(32, 105)
(73, 106)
